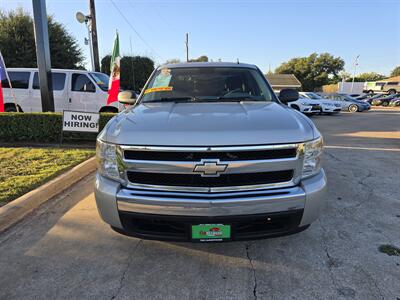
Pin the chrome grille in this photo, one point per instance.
(248, 167)
(195, 180)
(223, 156)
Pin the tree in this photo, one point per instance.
(371, 76)
(203, 58)
(395, 72)
(313, 71)
(135, 70)
(17, 42)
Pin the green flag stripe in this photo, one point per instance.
(115, 52)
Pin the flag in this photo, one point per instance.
(3, 77)
(115, 66)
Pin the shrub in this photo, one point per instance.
(41, 128)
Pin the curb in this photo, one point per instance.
(14, 211)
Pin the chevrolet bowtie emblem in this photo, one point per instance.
(210, 168)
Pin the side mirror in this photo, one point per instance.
(288, 95)
(127, 97)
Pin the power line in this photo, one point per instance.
(137, 33)
(136, 8)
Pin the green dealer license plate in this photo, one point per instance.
(211, 232)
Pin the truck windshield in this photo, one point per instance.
(207, 84)
(101, 80)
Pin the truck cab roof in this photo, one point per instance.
(208, 65)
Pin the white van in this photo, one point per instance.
(78, 90)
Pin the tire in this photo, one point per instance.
(391, 91)
(385, 103)
(108, 109)
(353, 108)
(11, 108)
(371, 92)
(397, 103)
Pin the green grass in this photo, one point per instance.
(24, 169)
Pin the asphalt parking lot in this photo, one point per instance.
(64, 250)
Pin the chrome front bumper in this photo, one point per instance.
(112, 198)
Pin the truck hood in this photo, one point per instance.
(209, 124)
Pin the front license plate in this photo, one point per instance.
(211, 232)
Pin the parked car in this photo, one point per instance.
(355, 95)
(72, 90)
(395, 102)
(231, 162)
(328, 107)
(391, 87)
(366, 97)
(371, 97)
(385, 100)
(348, 103)
(304, 105)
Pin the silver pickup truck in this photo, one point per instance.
(209, 153)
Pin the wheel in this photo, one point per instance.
(11, 108)
(108, 109)
(397, 103)
(385, 103)
(371, 92)
(353, 108)
(391, 91)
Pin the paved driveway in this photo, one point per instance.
(65, 251)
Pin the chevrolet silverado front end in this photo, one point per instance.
(209, 154)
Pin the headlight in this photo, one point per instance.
(107, 161)
(312, 157)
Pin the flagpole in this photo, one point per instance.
(9, 83)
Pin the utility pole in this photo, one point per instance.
(93, 33)
(187, 47)
(354, 73)
(43, 54)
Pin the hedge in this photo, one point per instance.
(41, 128)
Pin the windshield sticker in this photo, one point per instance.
(158, 89)
(163, 78)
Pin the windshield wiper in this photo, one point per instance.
(238, 98)
(194, 99)
(173, 99)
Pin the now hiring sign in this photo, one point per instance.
(80, 121)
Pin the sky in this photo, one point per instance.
(266, 33)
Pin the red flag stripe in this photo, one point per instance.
(113, 92)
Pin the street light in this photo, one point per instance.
(354, 73)
(87, 19)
